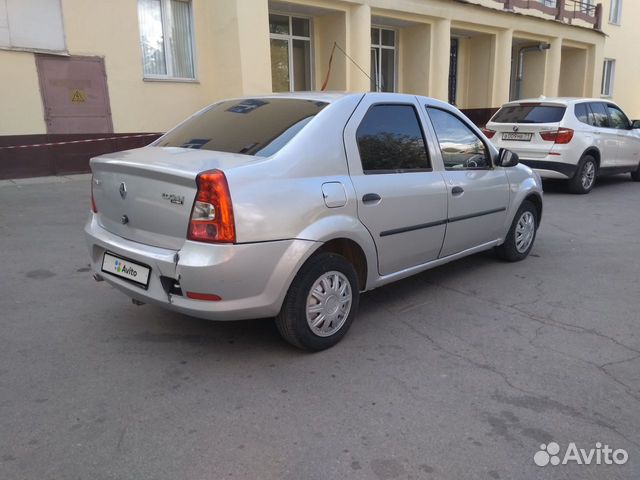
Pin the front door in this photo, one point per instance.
(478, 193)
(628, 141)
(74, 94)
(401, 200)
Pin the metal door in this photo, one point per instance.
(74, 94)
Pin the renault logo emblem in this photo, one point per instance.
(123, 190)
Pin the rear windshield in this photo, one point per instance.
(529, 113)
(256, 126)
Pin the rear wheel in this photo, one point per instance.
(522, 234)
(320, 304)
(635, 175)
(585, 177)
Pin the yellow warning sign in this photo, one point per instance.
(78, 95)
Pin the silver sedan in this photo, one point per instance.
(290, 206)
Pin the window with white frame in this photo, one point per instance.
(166, 35)
(383, 60)
(615, 11)
(608, 74)
(290, 39)
(549, 3)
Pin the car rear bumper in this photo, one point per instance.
(251, 279)
(551, 168)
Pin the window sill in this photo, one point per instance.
(170, 80)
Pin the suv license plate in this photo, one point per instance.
(125, 268)
(518, 137)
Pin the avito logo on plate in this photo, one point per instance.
(122, 268)
(549, 454)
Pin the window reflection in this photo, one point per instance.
(390, 140)
(254, 126)
(461, 148)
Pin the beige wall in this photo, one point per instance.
(476, 56)
(233, 56)
(622, 45)
(20, 103)
(415, 62)
(534, 69)
(572, 82)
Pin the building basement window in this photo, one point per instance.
(290, 39)
(166, 35)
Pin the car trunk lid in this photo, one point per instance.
(518, 127)
(524, 139)
(146, 195)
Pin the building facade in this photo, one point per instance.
(94, 67)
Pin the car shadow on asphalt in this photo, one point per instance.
(158, 327)
(602, 183)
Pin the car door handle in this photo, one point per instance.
(457, 190)
(371, 198)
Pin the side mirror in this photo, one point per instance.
(635, 124)
(507, 158)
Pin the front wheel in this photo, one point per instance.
(522, 234)
(320, 304)
(585, 177)
(635, 175)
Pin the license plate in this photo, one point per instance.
(125, 268)
(518, 137)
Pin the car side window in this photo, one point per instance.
(617, 118)
(583, 113)
(390, 140)
(600, 115)
(461, 148)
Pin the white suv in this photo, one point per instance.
(569, 138)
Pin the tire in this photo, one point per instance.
(512, 250)
(323, 272)
(635, 175)
(585, 177)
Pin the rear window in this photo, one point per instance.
(529, 113)
(256, 126)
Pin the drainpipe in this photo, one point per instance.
(520, 67)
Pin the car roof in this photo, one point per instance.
(557, 100)
(330, 97)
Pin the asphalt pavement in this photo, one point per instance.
(462, 372)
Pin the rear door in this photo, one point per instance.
(607, 136)
(402, 201)
(478, 193)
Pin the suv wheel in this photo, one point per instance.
(320, 304)
(585, 177)
(635, 175)
(522, 234)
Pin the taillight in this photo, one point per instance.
(212, 213)
(488, 133)
(561, 136)
(94, 209)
